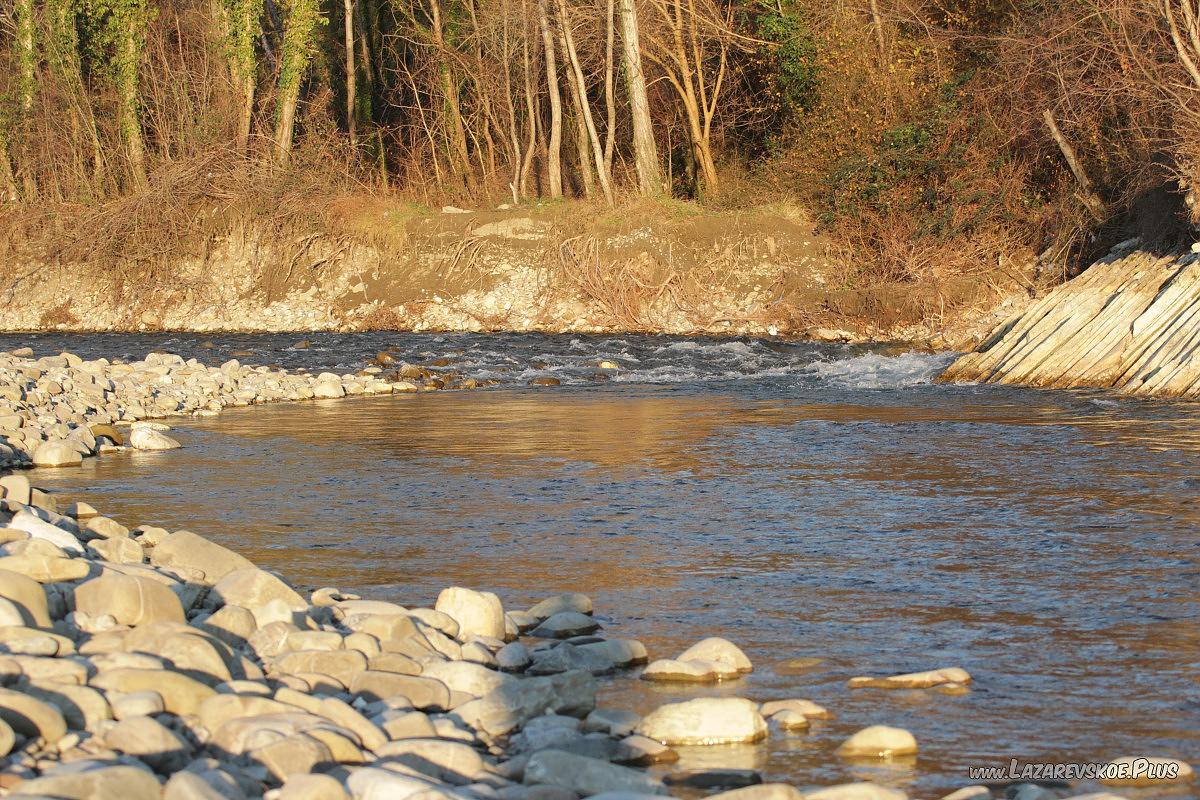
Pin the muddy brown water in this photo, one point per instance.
(824, 507)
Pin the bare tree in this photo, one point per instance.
(645, 152)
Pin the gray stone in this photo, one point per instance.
(566, 624)
(587, 776)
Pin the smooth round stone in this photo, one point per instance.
(806, 707)
(572, 601)
(705, 721)
(790, 720)
(151, 742)
(477, 613)
(763, 791)
(914, 680)
(856, 791)
(137, 704)
(643, 751)
(143, 437)
(693, 671)
(7, 738)
(587, 776)
(312, 787)
(1148, 771)
(879, 741)
(613, 721)
(714, 778)
(720, 650)
(513, 657)
(29, 597)
(56, 454)
(130, 600)
(566, 624)
(31, 717)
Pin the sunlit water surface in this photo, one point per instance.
(825, 507)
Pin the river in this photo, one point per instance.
(826, 507)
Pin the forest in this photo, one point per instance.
(920, 134)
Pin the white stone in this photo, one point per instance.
(477, 613)
(879, 741)
(146, 438)
(705, 721)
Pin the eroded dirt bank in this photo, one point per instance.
(555, 268)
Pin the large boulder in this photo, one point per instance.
(31, 717)
(572, 601)
(186, 549)
(451, 762)
(27, 595)
(720, 650)
(57, 454)
(151, 742)
(421, 692)
(705, 721)
(145, 438)
(253, 588)
(131, 600)
(343, 665)
(510, 705)
(39, 528)
(587, 776)
(181, 695)
(477, 613)
(94, 780)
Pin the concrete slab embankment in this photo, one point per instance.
(1130, 322)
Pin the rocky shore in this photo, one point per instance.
(57, 410)
(138, 663)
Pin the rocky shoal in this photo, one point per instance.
(57, 410)
(138, 663)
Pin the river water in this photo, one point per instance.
(825, 507)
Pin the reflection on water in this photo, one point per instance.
(1044, 541)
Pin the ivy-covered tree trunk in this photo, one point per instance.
(25, 45)
(242, 29)
(62, 50)
(298, 43)
(130, 58)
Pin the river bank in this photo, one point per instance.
(669, 268)
(105, 558)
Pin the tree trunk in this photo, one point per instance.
(298, 43)
(351, 70)
(644, 150)
(587, 125)
(129, 60)
(7, 182)
(610, 98)
(460, 154)
(531, 112)
(554, 148)
(1087, 194)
